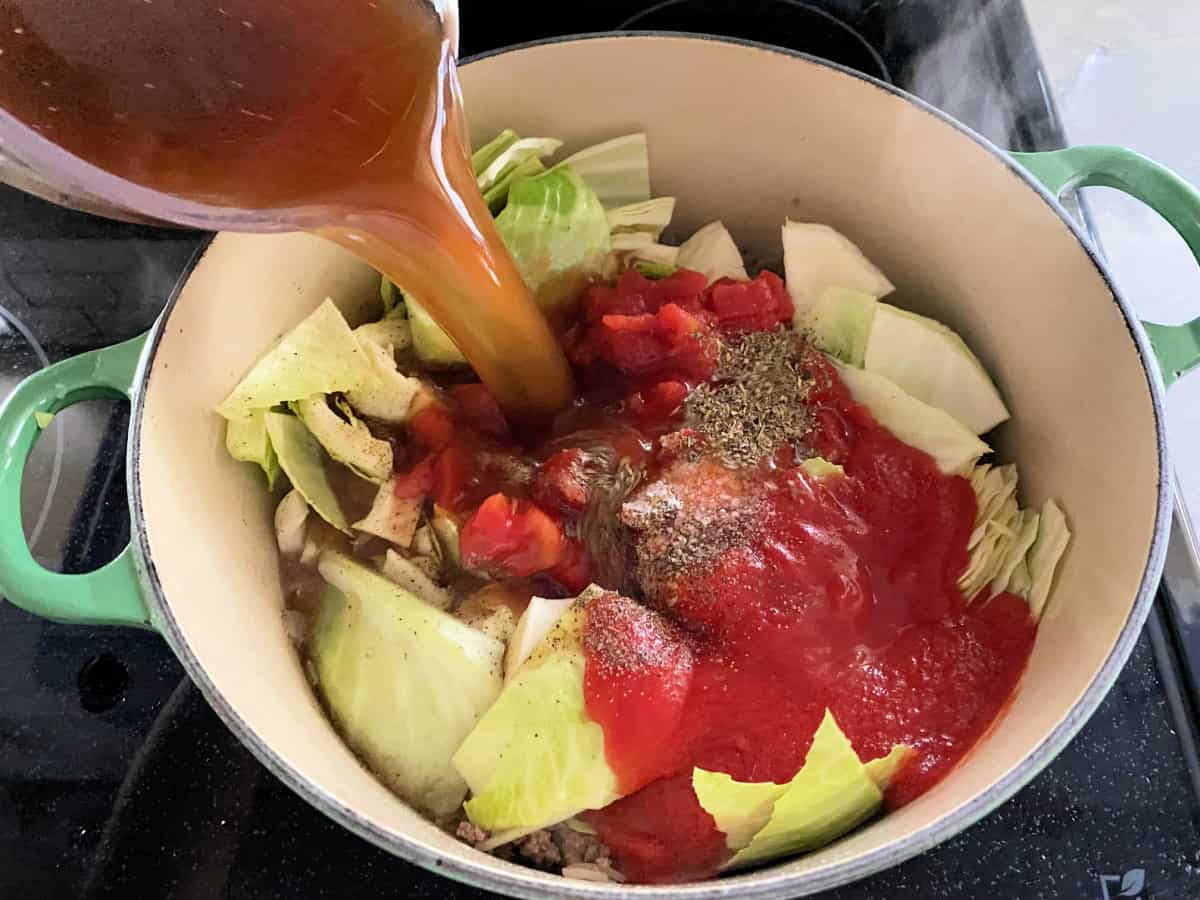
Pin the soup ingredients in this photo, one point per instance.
(553, 224)
(321, 355)
(953, 446)
(538, 725)
(758, 401)
(539, 618)
(246, 440)
(816, 257)
(618, 170)
(648, 217)
(345, 437)
(415, 578)
(291, 518)
(391, 398)
(300, 459)
(748, 594)
(514, 159)
(404, 682)
(1042, 559)
(924, 357)
(391, 517)
(832, 792)
(935, 365)
(1003, 542)
(839, 322)
(712, 252)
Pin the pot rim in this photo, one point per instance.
(766, 883)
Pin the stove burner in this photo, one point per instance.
(102, 682)
(786, 23)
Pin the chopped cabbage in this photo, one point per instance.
(345, 438)
(291, 516)
(618, 170)
(953, 447)
(487, 154)
(935, 365)
(650, 216)
(819, 467)
(816, 257)
(410, 576)
(536, 758)
(1052, 538)
(1012, 549)
(246, 440)
(392, 518)
(512, 156)
(832, 793)
(301, 459)
(390, 399)
(839, 323)
(404, 682)
(712, 252)
(393, 332)
(318, 356)
(554, 224)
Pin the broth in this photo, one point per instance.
(342, 119)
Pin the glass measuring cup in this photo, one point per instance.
(338, 117)
(32, 162)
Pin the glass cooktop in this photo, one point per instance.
(117, 780)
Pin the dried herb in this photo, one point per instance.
(757, 401)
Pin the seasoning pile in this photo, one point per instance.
(757, 401)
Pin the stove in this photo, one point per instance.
(117, 780)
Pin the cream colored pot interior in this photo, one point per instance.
(751, 137)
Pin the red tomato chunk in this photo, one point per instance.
(510, 537)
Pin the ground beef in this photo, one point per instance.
(561, 848)
(540, 849)
(577, 847)
(470, 833)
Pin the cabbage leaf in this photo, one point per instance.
(319, 356)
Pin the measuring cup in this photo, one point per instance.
(34, 164)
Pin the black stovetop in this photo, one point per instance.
(116, 780)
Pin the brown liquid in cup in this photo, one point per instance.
(341, 117)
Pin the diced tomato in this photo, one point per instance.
(783, 300)
(574, 570)
(683, 287)
(417, 482)
(660, 402)
(480, 409)
(676, 323)
(433, 426)
(742, 306)
(602, 300)
(561, 483)
(510, 537)
(655, 346)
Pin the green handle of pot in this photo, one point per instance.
(1177, 347)
(110, 595)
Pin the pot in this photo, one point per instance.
(750, 134)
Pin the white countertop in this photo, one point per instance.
(1125, 72)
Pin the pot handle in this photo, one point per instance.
(110, 595)
(1176, 347)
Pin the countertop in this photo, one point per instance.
(1125, 73)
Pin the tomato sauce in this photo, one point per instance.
(823, 592)
(845, 598)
